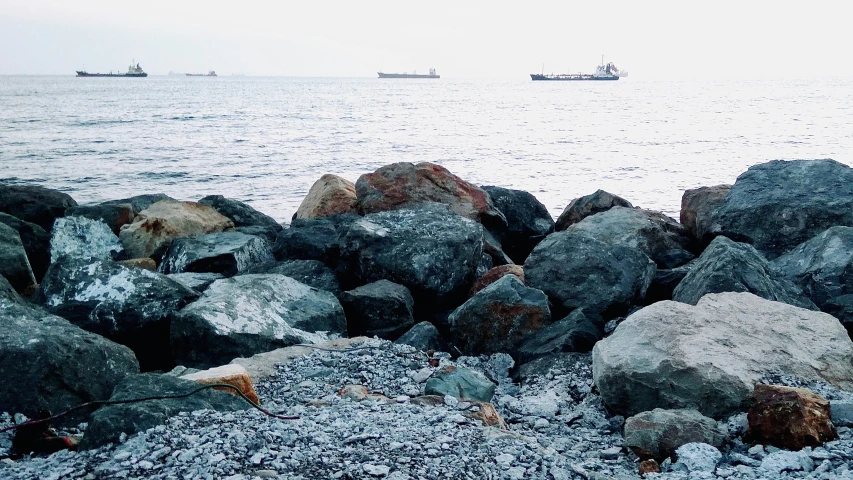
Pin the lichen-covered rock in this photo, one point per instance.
(139, 203)
(49, 364)
(528, 221)
(13, 259)
(330, 195)
(154, 228)
(405, 184)
(578, 271)
(128, 305)
(34, 204)
(314, 239)
(114, 216)
(727, 266)
(225, 253)
(462, 383)
(249, 314)
(240, 213)
(82, 238)
(495, 274)
(657, 434)
(36, 243)
(575, 333)
(583, 207)
(196, 281)
(697, 208)
(383, 309)
(424, 336)
(710, 356)
(313, 273)
(789, 418)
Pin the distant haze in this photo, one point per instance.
(460, 38)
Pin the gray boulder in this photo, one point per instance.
(131, 306)
(48, 363)
(34, 204)
(778, 205)
(249, 314)
(196, 281)
(424, 336)
(727, 266)
(108, 423)
(225, 253)
(663, 239)
(14, 264)
(499, 318)
(659, 433)
(428, 249)
(695, 458)
(114, 215)
(528, 221)
(578, 271)
(36, 243)
(314, 239)
(313, 273)
(383, 309)
(81, 238)
(245, 218)
(697, 209)
(575, 333)
(460, 382)
(709, 357)
(588, 205)
(139, 203)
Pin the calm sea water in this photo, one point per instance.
(266, 140)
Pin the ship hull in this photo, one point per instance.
(86, 74)
(200, 75)
(406, 75)
(570, 78)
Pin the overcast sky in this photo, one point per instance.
(460, 38)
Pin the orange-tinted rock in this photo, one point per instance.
(496, 274)
(358, 393)
(404, 184)
(231, 374)
(488, 415)
(144, 263)
(790, 418)
(649, 466)
(330, 195)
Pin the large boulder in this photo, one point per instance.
(34, 204)
(528, 221)
(383, 309)
(226, 253)
(114, 215)
(575, 333)
(49, 364)
(697, 208)
(658, 433)
(499, 318)
(313, 273)
(36, 242)
(578, 271)
(249, 314)
(241, 214)
(405, 184)
(14, 264)
(83, 238)
(314, 239)
(428, 249)
(154, 228)
(588, 205)
(661, 238)
(424, 336)
(108, 423)
(778, 205)
(139, 203)
(727, 266)
(330, 195)
(710, 356)
(131, 306)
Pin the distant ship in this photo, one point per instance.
(132, 71)
(208, 74)
(602, 72)
(431, 74)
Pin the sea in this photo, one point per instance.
(266, 140)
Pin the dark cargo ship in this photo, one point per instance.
(431, 74)
(602, 72)
(132, 71)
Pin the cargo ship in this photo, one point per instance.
(431, 74)
(208, 74)
(602, 72)
(132, 71)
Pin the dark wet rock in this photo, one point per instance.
(81, 238)
(226, 253)
(128, 305)
(485, 265)
(496, 273)
(424, 336)
(114, 215)
(383, 309)
(493, 248)
(462, 383)
(428, 249)
(108, 423)
(499, 318)
(789, 418)
(196, 281)
(583, 207)
(658, 433)
(528, 221)
(728, 266)
(36, 243)
(240, 213)
(314, 239)
(665, 282)
(48, 363)
(267, 233)
(34, 204)
(663, 239)
(249, 314)
(778, 205)
(313, 273)
(140, 202)
(697, 208)
(841, 307)
(14, 264)
(578, 271)
(575, 333)
(7, 292)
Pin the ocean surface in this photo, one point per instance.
(266, 140)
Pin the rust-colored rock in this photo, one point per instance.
(496, 274)
(404, 184)
(330, 195)
(144, 263)
(154, 229)
(231, 374)
(488, 415)
(789, 418)
(649, 466)
(359, 393)
(697, 206)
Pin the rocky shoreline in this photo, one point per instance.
(423, 327)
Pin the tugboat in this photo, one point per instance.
(431, 74)
(208, 74)
(132, 71)
(602, 72)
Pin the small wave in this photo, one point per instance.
(163, 175)
(94, 123)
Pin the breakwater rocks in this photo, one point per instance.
(452, 331)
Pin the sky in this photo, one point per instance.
(461, 38)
